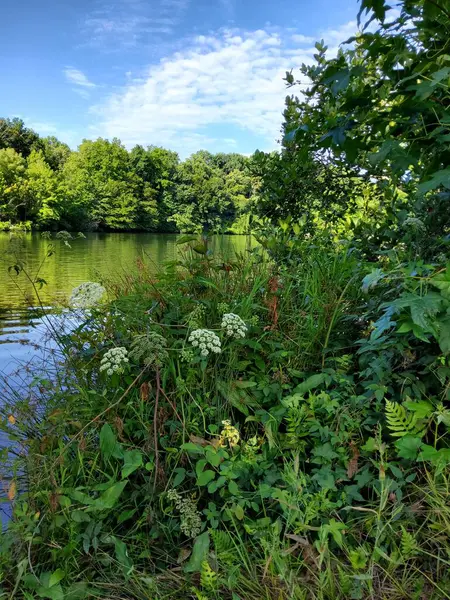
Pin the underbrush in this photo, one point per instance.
(274, 426)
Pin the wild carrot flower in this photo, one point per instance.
(234, 326)
(114, 361)
(191, 519)
(86, 295)
(206, 341)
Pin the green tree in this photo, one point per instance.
(14, 134)
(43, 191)
(156, 169)
(202, 201)
(101, 186)
(13, 197)
(55, 152)
(381, 107)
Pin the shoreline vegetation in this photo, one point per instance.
(103, 187)
(274, 424)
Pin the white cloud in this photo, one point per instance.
(78, 77)
(334, 37)
(299, 38)
(233, 78)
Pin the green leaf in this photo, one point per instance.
(370, 445)
(122, 557)
(440, 178)
(205, 477)
(311, 383)
(110, 497)
(444, 335)
(56, 577)
(245, 384)
(179, 477)
(324, 453)
(126, 514)
(79, 516)
(199, 553)
(108, 441)
(213, 457)
(442, 282)
(54, 593)
(239, 512)
(325, 478)
(77, 591)
(422, 408)
(371, 280)
(233, 488)
(408, 447)
(192, 448)
(132, 461)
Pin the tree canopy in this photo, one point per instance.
(103, 186)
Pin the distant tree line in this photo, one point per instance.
(103, 186)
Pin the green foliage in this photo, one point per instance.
(378, 108)
(103, 186)
(311, 457)
(14, 134)
(400, 422)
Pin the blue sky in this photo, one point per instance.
(184, 74)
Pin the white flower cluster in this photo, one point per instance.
(234, 326)
(206, 341)
(114, 361)
(191, 519)
(86, 295)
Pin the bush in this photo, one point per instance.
(307, 458)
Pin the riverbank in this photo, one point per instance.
(246, 428)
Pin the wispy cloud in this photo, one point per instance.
(82, 92)
(129, 24)
(77, 77)
(231, 78)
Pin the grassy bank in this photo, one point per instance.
(301, 453)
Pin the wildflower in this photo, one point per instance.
(187, 356)
(86, 295)
(207, 341)
(191, 520)
(229, 434)
(234, 326)
(196, 317)
(114, 361)
(150, 348)
(223, 307)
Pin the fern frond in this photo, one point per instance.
(208, 577)
(222, 541)
(224, 547)
(409, 546)
(400, 422)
